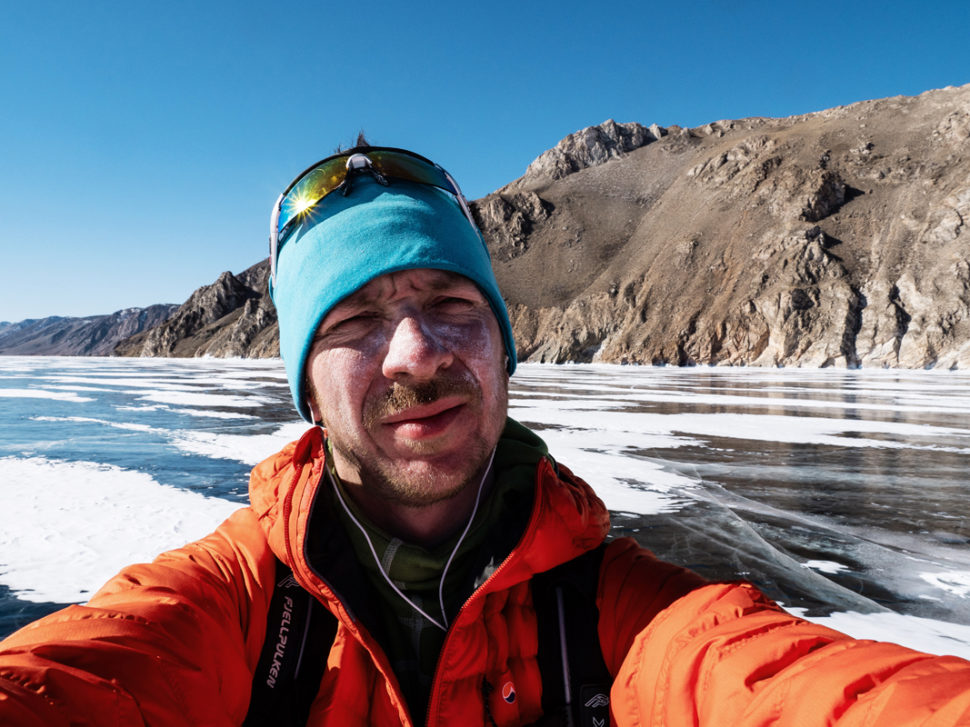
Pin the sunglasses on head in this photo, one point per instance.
(337, 172)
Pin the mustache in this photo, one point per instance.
(401, 397)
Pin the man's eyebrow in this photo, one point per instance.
(445, 281)
(358, 297)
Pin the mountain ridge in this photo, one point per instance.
(833, 238)
(88, 336)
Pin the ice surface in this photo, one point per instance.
(922, 634)
(43, 394)
(664, 429)
(65, 528)
(247, 448)
(672, 448)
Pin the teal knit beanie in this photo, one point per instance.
(347, 241)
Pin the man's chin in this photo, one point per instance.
(421, 489)
(420, 481)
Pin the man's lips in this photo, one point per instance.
(425, 419)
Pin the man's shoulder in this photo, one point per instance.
(307, 447)
(268, 478)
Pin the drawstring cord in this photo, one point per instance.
(443, 624)
(564, 655)
(461, 538)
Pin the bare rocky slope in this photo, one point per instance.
(232, 317)
(838, 238)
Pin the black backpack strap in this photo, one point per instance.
(299, 634)
(575, 681)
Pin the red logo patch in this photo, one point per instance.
(508, 692)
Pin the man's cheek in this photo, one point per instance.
(473, 341)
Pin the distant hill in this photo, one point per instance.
(833, 238)
(90, 336)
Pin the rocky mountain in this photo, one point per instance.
(232, 317)
(833, 238)
(90, 336)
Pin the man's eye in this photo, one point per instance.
(359, 319)
(452, 304)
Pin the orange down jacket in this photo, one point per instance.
(175, 642)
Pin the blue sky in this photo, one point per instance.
(143, 143)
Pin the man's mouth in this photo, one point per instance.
(425, 420)
(422, 410)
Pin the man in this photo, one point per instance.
(422, 518)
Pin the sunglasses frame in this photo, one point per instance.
(349, 172)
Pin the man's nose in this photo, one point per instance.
(415, 351)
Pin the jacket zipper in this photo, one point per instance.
(433, 702)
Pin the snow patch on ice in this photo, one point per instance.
(956, 583)
(624, 483)
(648, 429)
(44, 394)
(189, 398)
(922, 634)
(131, 426)
(132, 381)
(212, 414)
(67, 527)
(824, 566)
(246, 448)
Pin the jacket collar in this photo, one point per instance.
(567, 518)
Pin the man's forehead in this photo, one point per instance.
(418, 278)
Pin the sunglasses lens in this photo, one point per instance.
(403, 166)
(329, 174)
(314, 186)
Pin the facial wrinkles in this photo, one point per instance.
(471, 338)
(406, 470)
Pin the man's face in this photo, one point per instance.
(408, 376)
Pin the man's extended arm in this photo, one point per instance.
(724, 654)
(173, 642)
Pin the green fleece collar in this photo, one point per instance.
(413, 566)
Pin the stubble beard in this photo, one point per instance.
(421, 482)
(418, 486)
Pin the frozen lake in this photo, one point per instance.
(842, 494)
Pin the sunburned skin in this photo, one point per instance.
(411, 385)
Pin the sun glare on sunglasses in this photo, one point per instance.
(336, 172)
(302, 203)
